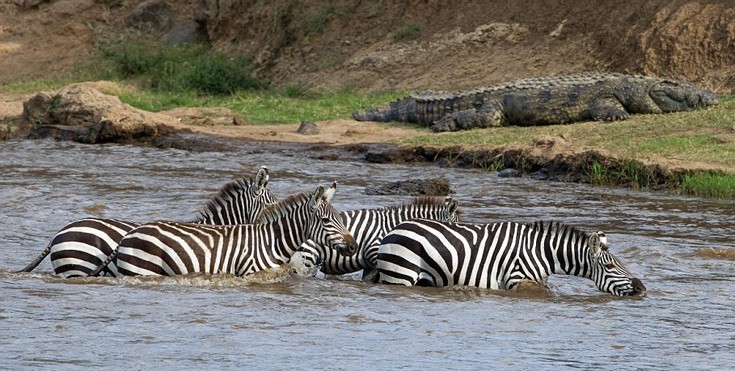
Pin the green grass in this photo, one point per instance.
(629, 172)
(279, 108)
(707, 184)
(265, 107)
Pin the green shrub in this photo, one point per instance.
(219, 75)
(190, 68)
(409, 30)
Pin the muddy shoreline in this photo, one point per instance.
(507, 162)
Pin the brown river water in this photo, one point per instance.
(682, 249)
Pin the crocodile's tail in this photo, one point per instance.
(32, 265)
(403, 110)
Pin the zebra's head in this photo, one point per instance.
(259, 193)
(326, 225)
(238, 202)
(451, 210)
(608, 273)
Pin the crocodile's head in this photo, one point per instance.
(674, 96)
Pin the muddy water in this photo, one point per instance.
(682, 249)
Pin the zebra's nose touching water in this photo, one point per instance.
(638, 287)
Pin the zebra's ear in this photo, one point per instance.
(452, 204)
(261, 179)
(318, 197)
(329, 193)
(595, 244)
(603, 240)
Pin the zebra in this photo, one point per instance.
(172, 248)
(498, 256)
(82, 245)
(368, 226)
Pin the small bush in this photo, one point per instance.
(409, 30)
(190, 68)
(220, 76)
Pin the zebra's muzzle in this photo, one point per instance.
(350, 247)
(638, 287)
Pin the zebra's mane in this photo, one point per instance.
(238, 186)
(271, 213)
(558, 227)
(427, 201)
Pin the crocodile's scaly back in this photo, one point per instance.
(545, 101)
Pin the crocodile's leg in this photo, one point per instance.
(488, 115)
(608, 109)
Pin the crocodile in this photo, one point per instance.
(544, 101)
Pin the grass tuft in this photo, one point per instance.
(712, 185)
(407, 31)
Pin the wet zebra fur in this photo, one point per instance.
(171, 248)
(498, 256)
(82, 245)
(368, 226)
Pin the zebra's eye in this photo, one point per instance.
(609, 266)
(326, 220)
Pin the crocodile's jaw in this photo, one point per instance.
(674, 96)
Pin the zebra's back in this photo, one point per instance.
(170, 248)
(432, 253)
(82, 245)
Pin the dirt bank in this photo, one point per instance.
(395, 45)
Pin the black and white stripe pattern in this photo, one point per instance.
(498, 256)
(368, 226)
(170, 248)
(82, 245)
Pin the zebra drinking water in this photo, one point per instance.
(82, 245)
(368, 226)
(498, 256)
(170, 248)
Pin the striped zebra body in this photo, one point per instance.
(498, 256)
(84, 244)
(81, 246)
(171, 248)
(368, 226)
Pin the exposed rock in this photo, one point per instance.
(28, 4)
(155, 15)
(185, 33)
(509, 173)
(83, 114)
(413, 187)
(237, 121)
(308, 128)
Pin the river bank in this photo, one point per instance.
(688, 152)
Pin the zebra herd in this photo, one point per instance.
(244, 229)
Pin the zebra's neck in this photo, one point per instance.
(285, 225)
(559, 248)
